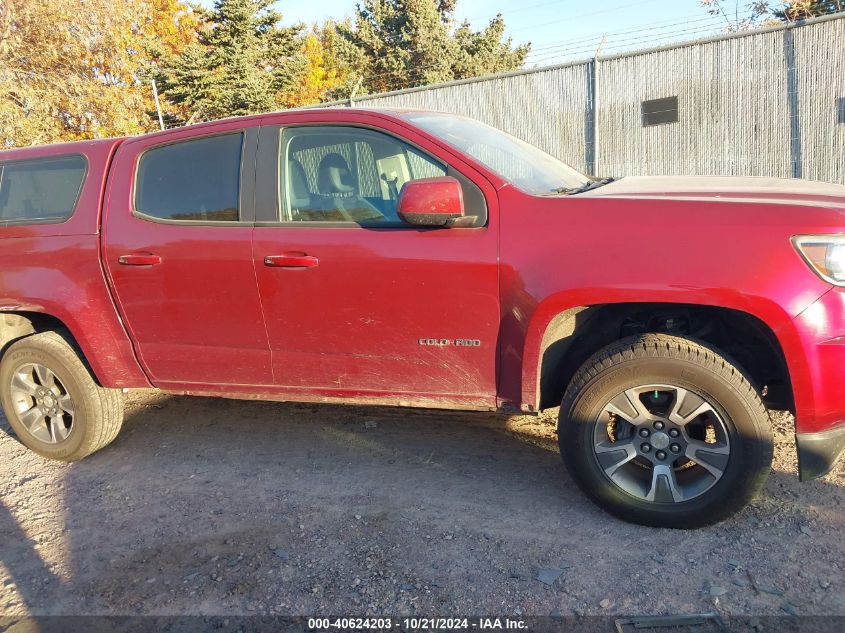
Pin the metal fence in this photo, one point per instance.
(764, 103)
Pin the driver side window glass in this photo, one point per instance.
(340, 174)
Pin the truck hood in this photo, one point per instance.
(725, 188)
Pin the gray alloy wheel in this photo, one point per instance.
(42, 403)
(52, 400)
(666, 431)
(661, 443)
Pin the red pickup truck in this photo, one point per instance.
(421, 259)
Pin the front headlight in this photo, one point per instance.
(825, 254)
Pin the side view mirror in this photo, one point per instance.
(432, 202)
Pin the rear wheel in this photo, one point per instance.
(664, 431)
(52, 401)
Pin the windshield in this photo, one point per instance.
(525, 166)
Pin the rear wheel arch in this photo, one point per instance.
(17, 325)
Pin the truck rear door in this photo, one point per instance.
(177, 236)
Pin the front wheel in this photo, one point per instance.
(52, 401)
(664, 431)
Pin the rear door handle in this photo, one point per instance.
(146, 259)
(291, 260)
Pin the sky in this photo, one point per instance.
(559, 30)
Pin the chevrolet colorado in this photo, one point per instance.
(421, 259)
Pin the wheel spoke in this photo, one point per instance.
(628, 406)
(31, 417)
(687, 407)
(664, 486)
(614, 455)
(66, 404)
(680, 398)
(24, 383)
(58, 430)
(45, 376)
(711, 457)
(36, 424)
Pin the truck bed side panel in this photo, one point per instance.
(55, 269)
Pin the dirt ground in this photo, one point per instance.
(207, 506)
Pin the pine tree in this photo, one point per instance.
(396, 44)
(243, 62)
(485, 52)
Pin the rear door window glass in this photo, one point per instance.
(197, 180)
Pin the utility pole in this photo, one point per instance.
(158, 104)
(355, 90)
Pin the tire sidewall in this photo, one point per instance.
(748, 446)
(20, 355)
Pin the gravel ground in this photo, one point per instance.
(208, 506)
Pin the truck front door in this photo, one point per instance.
(359, 305)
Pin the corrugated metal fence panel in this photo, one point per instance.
(820, 64)
(757, 104)
(546, 108)
(732, 110)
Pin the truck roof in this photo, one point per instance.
(85, 147)
(77, 147)
(293, 114)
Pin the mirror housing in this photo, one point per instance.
(432, 202)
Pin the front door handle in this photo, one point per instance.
(291, 260)
(146, 259)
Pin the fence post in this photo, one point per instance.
(590, 122)
(792, 102)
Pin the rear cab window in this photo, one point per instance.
(42, 190)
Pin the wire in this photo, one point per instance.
(534, 55)
(417, 72)
(531, 6)
(640, 41)
(651, 27)
(578, 17)
(544, 23)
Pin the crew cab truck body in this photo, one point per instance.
(418, 259)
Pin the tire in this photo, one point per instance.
(49, 367)
(711, 433)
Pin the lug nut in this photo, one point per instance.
(674, 432)
(660, 455)
(644, 433)
(646, 447)
(675, 448)
(659, 425)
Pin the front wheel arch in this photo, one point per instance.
(573, 335)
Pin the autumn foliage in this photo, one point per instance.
(79, 69)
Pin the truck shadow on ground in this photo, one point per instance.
(220, 506)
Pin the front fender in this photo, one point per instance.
(778, 318)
